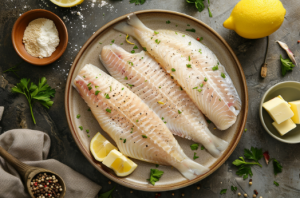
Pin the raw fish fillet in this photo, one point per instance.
(144, 77)
(123, 115)
(215, 95)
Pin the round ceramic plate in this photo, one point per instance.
(154, 19)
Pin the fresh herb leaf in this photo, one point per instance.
(205, 79)
(201, 85)
(168, 22)
(286, 65)
(145, 49)
(190, 30)
(244, 171)
(132, 51)
(202, 147)
(155, 175)
(130, 63)
(223, 75)
(216, 67)
(223, 191)
(144, 136)
(189, 58)
(107, 194)
(97, 92)
(113, 41)
(135, 47)
(156, 32)
(255, 154)
(80, 127)
(173, 70)
(179, 112)
(108, 110)
(130, 85)
(41, 93)
(188, 65)
(14, 69)
(195, 157)
(275, 183)
(157, 41)
(126, 78)
(234, 188)
(241, 161)
(209, 12)
(137, 2)
(87, 131)
(199, 4)
(199, 90)
(107, 96)
(124, 141)
(195, 88)
(78, 116)
(277, 167)
(194, 146)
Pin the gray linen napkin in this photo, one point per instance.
(32, 148)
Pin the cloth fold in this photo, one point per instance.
(32, 148)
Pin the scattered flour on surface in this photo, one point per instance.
(41, 38)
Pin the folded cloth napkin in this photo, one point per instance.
(32, 148)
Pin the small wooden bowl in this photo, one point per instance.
(18, 32)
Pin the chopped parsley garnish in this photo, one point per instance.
(223, 75)
(155, 175)
(135, 47)
(157, 41)
(194, 146)
(234, 188)
(81, 128)
(162, 118)
(277, 167)
(176, 25)
(190, 43)
(189, 58)
(89, 87)
(201, 38)
(223, 191)
(97, 92)
(156, 32)
(188, 65)
(202, 147)
(144, 136)
(108, 110)
(107, 96)
(205, 79)
(199, 90)
(201, 85)
(132, 51)
(131, 130)
(109, 88)
(130, 63)
(137, 120)
(179, 112)
(126, 78)
(195, 88)
(183, 35)
(121, 44)
(122, 88)
(87, 131)
(159, 87)
(168, 22)
(124, 141)
(165, 122)
(216, 67)
(175, 32)
(145, 49)
(88, 136)
(83, 76)
(89, 84)
(121, 139)
(190, 30)
(220, 99)
(200, 51)
(275, 183)
(96, 86)
(173, 70)
(209, 12)
(195, 156)
(245, 130)
(137, 2)
(286, 65)
(130, 85)
(78, 116)
(113, 41)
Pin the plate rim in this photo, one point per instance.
(166, 187)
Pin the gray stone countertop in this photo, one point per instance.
(96, 13)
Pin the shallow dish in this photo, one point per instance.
(290, 91)
(74, 104)
(18, 33)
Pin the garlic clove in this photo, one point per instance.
(288, 51)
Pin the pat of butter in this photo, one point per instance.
(278, 109)
(295, 106)
(285, 126)
(283, 99)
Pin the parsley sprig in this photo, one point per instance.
(155, 175)
(41, 93)
(137, 2)
(286, 65)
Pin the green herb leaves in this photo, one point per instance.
(216, 67)
(107, 194)
(41, 93)
(255, 154)
(137, 2)
(190, 30)
(155, 175)
(234, 188)
(194, 146)
(157, 41)
(277, 167)
(275, 183)
(286, 65)
(223, 191)
(144, 136)
(195, 157)
(199, 4)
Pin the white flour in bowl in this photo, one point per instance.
(41, 38)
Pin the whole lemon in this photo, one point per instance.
(254, 19)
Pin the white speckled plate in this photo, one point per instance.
(74, 104)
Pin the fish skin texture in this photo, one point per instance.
(130, 118)
(162, 94)
(217, 99)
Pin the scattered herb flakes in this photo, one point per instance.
(89, 84)
(87, 131)
(89, 87)
(201, 38)
(122, 88)
(176, 25)
(137, 120)
(190, 43)
(107, 96)
(201, 85)
(145, 49)
(275, 183)
(157, 41)
(130, 85)
(195, 88)
(96, 86)
(190, 30)
(286, 65)
(277, 167)
(183, 35)
(165, 122)
(199, 4)
(223, 75)
(179, 112)
(234, 188)
(126, 78)
(131, 130)
(173, 70)
(199, 90)
(113, 41)
(220, 99)
(130, 63)
(245, 130)
(194, 146)
(144, 136)
(159, 87)
(124, 141)
(121, 139)
(205, 79)
(107, 194)
(137, 2)
(189, 58)
(100, 43)
(97, 92)
(200, 51)
(216, 67)
(180, 88)
(81, 128)
(121, 44)
(188, 65)
(108, 110)
(78, 116)
(168, 22)
(202, 147)
(175, 32)
(162, 118)
(209, 12)
(156, 32)
(132, 51)
(208, 121)
(109, 88)
(223, 191)
(88, 136)
(83, 76)
(195, 156)
(135, 47)
(155, 175)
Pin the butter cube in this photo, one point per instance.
(278, 109)
(295, 106)
(285, 126)
(283, 99)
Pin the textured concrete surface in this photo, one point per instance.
(96, 13)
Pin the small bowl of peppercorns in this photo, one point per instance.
(45, 184)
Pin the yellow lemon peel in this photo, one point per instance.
(127, 36)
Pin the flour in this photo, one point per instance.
(41, 38)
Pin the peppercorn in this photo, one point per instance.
(250, 183)
(254, 195)
(255, 191)
(239, 194)
(245, 195)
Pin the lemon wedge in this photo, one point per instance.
(119, 163)
(67, 3)
(100, 147)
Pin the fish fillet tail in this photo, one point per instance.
(131, 25)
(191, 169)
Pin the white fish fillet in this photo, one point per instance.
(218, 98)
(162, 94)
(122, 114)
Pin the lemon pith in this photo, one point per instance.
(100, 147)
(256, 18)
(67, 3)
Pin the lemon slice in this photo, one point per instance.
(100, 147)
(67, 3)
(119, 163)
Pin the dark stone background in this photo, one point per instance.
(80, 28)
